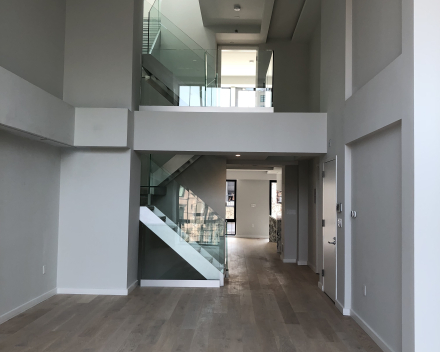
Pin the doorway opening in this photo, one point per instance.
(246, 77)
(231, 207)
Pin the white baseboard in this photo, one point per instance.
(341, 308)
(132, 286)
(313, 267)
(180, 283)
(302, 262)
(93, 291)
(289, 260)
(321, 286)
(376, 338)
(20, 309)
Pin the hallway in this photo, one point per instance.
(265, 306)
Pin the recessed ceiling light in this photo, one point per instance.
(237, 7)
(238, 155)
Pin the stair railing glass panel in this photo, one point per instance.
(196, 222)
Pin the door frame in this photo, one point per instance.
(335, 159)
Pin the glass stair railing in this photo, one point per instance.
(185, 223)
(171, 59)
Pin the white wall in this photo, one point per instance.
(29, 188)
(32, 41)
(252, 222)
(94, 220)
(101, 127)
(210, 132)
(237, 174)
(27, 108)
(426, 174)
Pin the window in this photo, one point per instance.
(231, 194)
(275, 201)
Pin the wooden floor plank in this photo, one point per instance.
(265, 306)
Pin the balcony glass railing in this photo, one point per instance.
(175, 59)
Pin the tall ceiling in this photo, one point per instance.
(259, 21)
(250, 25)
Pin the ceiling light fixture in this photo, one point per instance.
(238, 155)
(237, 7)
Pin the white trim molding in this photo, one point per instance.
(376, 338)
(132, 286)
(344, 311)
(302, 262)
(180, 283)
(33, 302)
(290, 261)
(93, 291)
(321, 286)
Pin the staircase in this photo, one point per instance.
(180, 242)
(173, 168)
(185, 224)
(151, 30)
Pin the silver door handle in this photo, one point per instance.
(334, 241)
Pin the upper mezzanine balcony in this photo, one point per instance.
(176, 71)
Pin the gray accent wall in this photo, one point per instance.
(133, 223)
(207, 179)
(377, 37)
(100, 54)
(377, 233)
(382, 95)
(289, 222)
(32, 41)
(29, 188)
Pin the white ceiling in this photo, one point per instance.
(250, 25)
(285, 16)
(260, 21)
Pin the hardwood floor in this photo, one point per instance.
(265, 306)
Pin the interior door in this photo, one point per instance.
(329, 228)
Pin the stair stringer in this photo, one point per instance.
(179, 245)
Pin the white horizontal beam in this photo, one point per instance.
(220, 132)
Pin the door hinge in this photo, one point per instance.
(323, 174)
(322, 273)
(323, 223)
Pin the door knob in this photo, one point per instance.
(334, 241)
